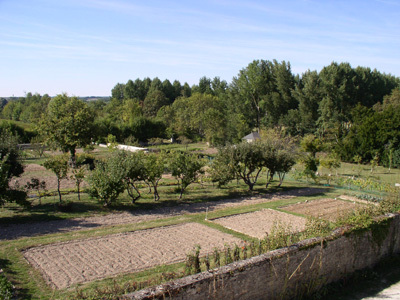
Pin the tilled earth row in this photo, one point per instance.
(65, 264)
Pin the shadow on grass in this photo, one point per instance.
(4, 265)
(49, 226)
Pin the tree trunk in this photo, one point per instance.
(58, 190)
(72, 158)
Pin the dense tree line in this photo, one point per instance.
(341, 105)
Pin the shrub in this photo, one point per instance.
(6, 288)
(106, 180)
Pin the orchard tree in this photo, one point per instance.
(243, 161)
(133, 166)
(107, 180)
(67, 124)
(186, 168)
(153, 170)
(59, 166)
(280, 155)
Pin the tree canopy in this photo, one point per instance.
(67, 124)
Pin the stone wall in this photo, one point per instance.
(288, 272)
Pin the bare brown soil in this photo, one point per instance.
(329, 209)
(65, 264)
(258, 224)
(30, 171)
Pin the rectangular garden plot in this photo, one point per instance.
(65, 264)
(260, 223)
(328, 209)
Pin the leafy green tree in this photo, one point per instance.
(169, 91)
(204, 86)
(330, 162)
(10, 166)
(133, 166)
(78, 175)
(107, 180)
(286, 159)
(58, 164)
(252, 83)
(266, 89)
(311, 164)
(155, 99)
(391, 101)
(144, 128)
(245, 161)
(205, 119)
(186, 168)
(130, 110)
(154, 165)
(310, 144)
(280, 155)
(308, 94)
(67, 124)
(118, 91)
(221, 170)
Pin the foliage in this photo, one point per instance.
(280, 155)
(186, 168)
(330, 162)
(247, 160)
(24, 134)
(10, 166)
(6, 288)
(58, 164)
(133, 168)
(107, 180)
(38, 185)
(310, 166)
(265, 87)
(67, 124)
(78, 175)
(154, 166)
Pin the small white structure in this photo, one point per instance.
(252, 137)
(126, 147)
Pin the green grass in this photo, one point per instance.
(201, 146)
(364, 171)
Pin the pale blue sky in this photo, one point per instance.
(85, 47)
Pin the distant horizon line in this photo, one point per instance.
(11, 97)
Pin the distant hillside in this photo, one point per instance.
(94, 98)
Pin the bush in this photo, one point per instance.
(107, 180)
(6, 288)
